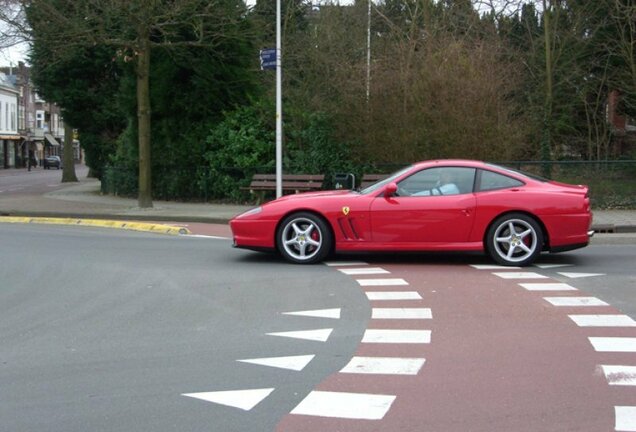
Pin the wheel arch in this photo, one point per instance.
(306, 210)
(537, 219)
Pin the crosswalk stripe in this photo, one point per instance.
(520, 275)
(393, 295)
(401, 313)
(363, 271)
(384, 366)
(344, 263)
(575, 301)
(493, 267)
(613, 344)
(625, 418)
(397, 336)
(547, 287)
(603, 320)
(345, 405)
(580, 275)
(382, 282)
(620, 375)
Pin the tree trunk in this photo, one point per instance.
(68, 173)
(143, 117)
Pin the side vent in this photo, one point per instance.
(348, 229)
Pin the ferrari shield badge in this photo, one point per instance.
(345, 210)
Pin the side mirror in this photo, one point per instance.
(390, 190)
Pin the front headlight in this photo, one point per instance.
(251, 212)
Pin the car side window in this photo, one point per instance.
(491, 181)
(438, 181)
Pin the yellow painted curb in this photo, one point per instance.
(135, 226)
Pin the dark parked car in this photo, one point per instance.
(52, 161)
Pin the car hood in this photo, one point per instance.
(319, 194)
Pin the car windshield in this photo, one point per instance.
(375, 186)
(523, 173)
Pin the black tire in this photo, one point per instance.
(514, 239)
(304, 238)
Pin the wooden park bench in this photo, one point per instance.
(369, 179)
(291, 183)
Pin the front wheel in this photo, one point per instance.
(304, 238)
(514, 240)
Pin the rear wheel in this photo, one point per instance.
(514, 240)
(304, 238)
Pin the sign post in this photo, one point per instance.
(279, 106)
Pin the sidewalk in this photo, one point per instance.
(83, 200)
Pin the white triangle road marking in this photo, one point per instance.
(296, 363)
(320, 335)
(319, 313)
(242, 399)
(580, 275)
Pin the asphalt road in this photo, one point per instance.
(108, 330)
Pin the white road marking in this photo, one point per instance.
(625, 418)
(401, 313)
(575, 301)
(243, 399)
(207, 236)
(319, 335)
(493, 267)
(320, 313)
(364, 271)
(603, 320)
(393, 295)
(344, 263)
(620, 375)
(580, 275)
(382, 282)
(520, 275)
(384, 366)
(613, 344)
(551, 266)
(547, 287)
(345, 405)
(296, 363)
(397, 336)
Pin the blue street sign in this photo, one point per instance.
(268, 58)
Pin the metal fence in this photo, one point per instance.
(612, 183)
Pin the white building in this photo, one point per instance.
(9, 137)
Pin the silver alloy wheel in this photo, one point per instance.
(515, 240)
(302, 239)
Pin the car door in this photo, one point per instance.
(421, 213)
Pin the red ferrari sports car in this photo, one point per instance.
(441, 205)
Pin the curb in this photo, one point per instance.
(117, 217)
(102, 223)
